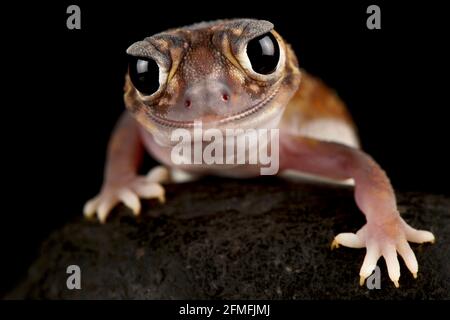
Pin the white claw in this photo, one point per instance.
(370, 261)
(393, 266)
(105, 208)
(90, 207)
(350, 240)
(334, 244)
(158, 174)
(408, 256)
(362, 280)
(131, 200)
(149, 190)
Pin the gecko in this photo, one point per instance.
(240, 73)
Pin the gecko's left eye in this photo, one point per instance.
(144, 74)
(263, 53)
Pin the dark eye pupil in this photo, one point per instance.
(263, 53)
(144, 74)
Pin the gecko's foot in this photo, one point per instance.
(385, 240)
(128, 191)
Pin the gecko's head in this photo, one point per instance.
(226, 74)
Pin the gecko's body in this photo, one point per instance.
(241, 74)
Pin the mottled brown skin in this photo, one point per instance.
(200, 65)
(314, 100)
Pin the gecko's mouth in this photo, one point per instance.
(216, 120)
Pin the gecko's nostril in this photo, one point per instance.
(225, 97)
(208, 96)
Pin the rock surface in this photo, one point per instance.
(229, 239)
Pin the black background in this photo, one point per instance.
(65, 92)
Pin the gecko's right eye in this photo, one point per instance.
(263, 53)
(144, 74)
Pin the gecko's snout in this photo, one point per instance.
(209, 96)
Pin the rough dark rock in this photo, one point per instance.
(231, 239)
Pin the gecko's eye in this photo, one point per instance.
(144, 74)
(263, 53)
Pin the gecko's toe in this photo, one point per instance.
(105, 207)
(408, 256)
(351, 240)
(131, 200)
(149, 190)
(418, 236)
(158, 174)
(90, 207)
(370, 261)
(393, 266)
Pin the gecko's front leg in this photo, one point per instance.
(121, 182)
(385, 232)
